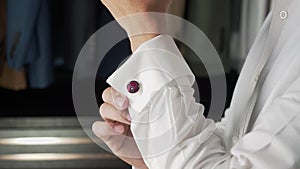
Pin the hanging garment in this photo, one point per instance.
(28, 40)
(9, 78)
(12, 79)
(253, 14)
(2, 32)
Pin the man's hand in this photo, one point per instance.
(142, 23)
(115, 131)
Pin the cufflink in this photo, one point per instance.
(133, 86)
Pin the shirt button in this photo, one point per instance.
(133, 87)
(283, 14)
(235, 139)
(257, 77)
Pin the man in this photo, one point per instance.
(261, 129)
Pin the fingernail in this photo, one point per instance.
(120, 102)
(119, 129)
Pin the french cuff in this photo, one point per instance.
(155, 63)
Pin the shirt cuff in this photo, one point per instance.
(154, 64)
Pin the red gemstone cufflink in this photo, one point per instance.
(133, 87)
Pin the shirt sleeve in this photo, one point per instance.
(171, 132)
(153, 65)
(165, 116)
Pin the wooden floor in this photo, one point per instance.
(75, 151)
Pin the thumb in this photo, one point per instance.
(103, 131)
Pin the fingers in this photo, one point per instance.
(114, 98)
(110, 114)
(118, 101)
(121, 145)
(103, 131)
(115, 141)
(115, 131)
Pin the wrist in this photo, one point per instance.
(143, 27)
(137, 40)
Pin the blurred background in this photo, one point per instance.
(39, 44)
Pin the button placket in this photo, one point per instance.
(257, 77)
(235, 139)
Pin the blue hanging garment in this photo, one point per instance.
(28, 40)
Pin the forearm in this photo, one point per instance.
(138, 16)
(143, 27)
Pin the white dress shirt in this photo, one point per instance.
(261, 128)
